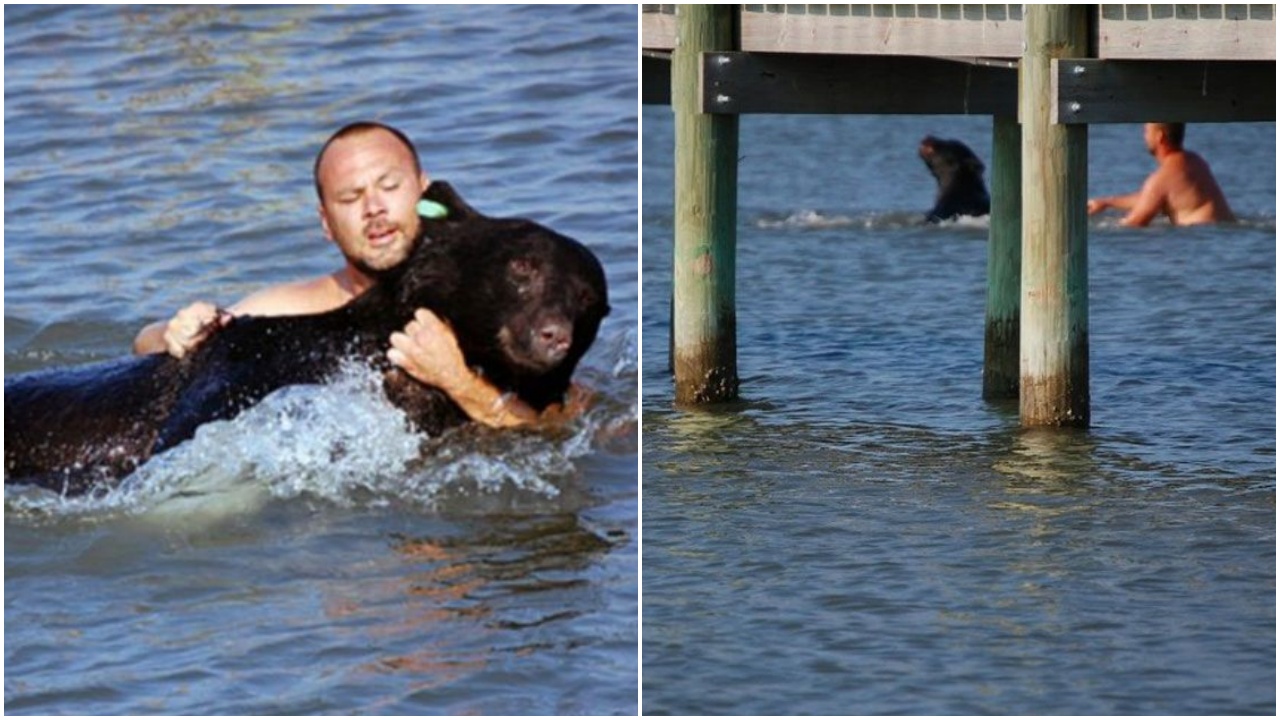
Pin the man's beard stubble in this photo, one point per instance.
(382, 270)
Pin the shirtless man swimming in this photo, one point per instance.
(1182, 187)
(369, 180)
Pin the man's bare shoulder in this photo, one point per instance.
(1197, 168)
(1157, 183)
(1173, 175)
(1183, 166)
(301, 297)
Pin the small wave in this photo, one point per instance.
(1257, 222)
(804, 219)
(888, 220)
(982, 222)
(1266, 223)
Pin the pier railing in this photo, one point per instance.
(1134, 32)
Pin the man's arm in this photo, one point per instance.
(1141, 207)
(192, 325)
(428, 351)
(150, 339)
(1118, 202)
(1149, 203)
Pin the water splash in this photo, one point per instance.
(805, 220)
(303, 439)
(889, 220)
(344, 443)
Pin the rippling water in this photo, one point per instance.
(863, 534)
(305, 558)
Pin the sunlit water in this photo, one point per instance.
(313, 555)
(864, 534)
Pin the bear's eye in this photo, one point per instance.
(523, 269)
(524, 274)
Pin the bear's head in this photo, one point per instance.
(949, 159)
(524, 301)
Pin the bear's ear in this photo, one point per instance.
(443, 193)
(975, 164)
(588, 299)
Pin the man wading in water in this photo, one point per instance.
(369, 181)
(1182, 187)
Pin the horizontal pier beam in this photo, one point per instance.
(740, 83)
(1121, 91)
(1087, 91)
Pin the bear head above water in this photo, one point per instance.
(958, 172)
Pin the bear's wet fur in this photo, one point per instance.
(524, 301)
(961, 189)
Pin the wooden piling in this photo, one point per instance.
(704, 324)
(1054, 384)
(1000, 373)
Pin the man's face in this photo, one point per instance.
(1151, 135)
(369, 195)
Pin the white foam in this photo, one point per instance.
(301, 439)
(345, 443)
(805, 219)
(889, 220)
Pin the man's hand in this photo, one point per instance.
(1124, 203)
(193, 325)
(429, 352)
(183, 333)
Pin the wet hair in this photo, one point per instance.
(359, 128)
(1175, 132)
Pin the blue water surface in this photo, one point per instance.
(863, 534)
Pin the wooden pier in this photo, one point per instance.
(1042, 72)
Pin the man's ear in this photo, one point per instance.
(324, 222)
(423, 182)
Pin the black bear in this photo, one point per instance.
(525, 303)
(958, 171)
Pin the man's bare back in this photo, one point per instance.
(1182, 187)
(1192, 195)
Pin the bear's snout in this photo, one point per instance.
(538, 344)
(552, 340)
